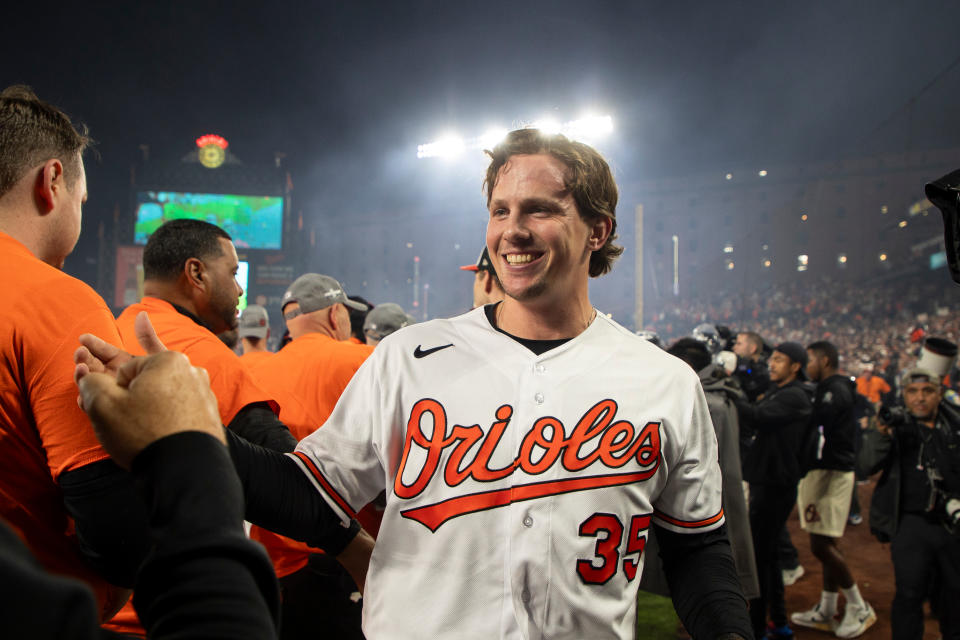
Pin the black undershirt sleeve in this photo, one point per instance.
(204, 578)
(258, 423)
(280, 498)
(703, 583)
(111, 523)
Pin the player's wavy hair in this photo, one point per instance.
(588, 179)
(32, 132)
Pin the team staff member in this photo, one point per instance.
(911, 511)
(307, 377)
(254, 332)
(497, 532)
(772, 468)
(191, 294)
(823, 497)
(58, 488)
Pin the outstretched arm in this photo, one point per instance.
(158, 418)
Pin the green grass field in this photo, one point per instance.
(656, 619)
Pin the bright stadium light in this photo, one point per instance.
(445, 147)
(492, 137)
(585, 129)
(588, 128)
(547, 125)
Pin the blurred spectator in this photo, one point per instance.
(254, 332)
(357, 316)
(383, 320)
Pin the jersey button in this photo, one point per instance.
(525, 596)
(538, 397)
(528, 522)
(540, 368)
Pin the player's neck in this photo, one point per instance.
(544, 321)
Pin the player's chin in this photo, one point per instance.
(526, 292)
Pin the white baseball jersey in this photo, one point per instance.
(520, 488)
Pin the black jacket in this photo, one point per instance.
(777, 422)
(833, 410)
(881, 452)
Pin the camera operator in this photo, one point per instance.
(751, 372)
(915, 505)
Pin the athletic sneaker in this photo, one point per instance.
(814, 619)
(855, 621)
(855, 519)
(792, 575)
(779, 633)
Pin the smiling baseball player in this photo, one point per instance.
(526, 447)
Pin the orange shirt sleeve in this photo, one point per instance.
(64, 429)
(883, 387)
(230, 379)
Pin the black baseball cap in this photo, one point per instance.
(797, 353)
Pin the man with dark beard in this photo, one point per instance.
(191, 295)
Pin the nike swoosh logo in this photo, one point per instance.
(422, 353)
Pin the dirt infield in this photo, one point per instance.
(869, 560)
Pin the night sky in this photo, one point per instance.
(347, 90)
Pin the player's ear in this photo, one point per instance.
(48, 185)
(599, 232)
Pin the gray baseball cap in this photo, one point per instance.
(384, 319)
(254, 322)
(314, 291)
(919, 374)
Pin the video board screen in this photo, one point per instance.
(254, 222)
(243, 278)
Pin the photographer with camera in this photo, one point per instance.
(915, 505)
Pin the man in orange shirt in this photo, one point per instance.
(76, 510)
(254, 331)
(871, 386)
(191, 295)
(307, 377)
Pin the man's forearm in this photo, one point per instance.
(257, 423)
(280, 498)
(703, 583)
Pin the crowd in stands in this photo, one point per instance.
(880, 323)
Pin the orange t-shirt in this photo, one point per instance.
(872, 388)
(255, 356)
(43, 432)
(307, 377)
(230, 379)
